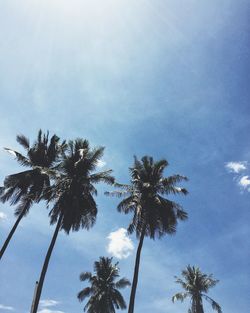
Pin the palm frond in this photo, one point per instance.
(121, 304)
(23, 141)
(180, 296)
(126, 205)
(86, 292)
(24, 206)
(19, 157)
(214, 304)
(85, 276)
(102, 177)
(122, 283)
(174, 179)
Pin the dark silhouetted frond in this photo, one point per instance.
(85, 276)
(122, 283)
(214, 304)
(181, 296)
(23, 141)
(86, 292)
(19, 157)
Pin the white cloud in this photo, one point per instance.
(48, 302)
(120, 245)
(44, 304)
(236, 167)
(101, 163)
(244, 182)
(49, 311)
(4, 307)
(3, 216)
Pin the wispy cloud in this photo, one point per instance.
(236, 167)
(3, 216)
(48, 302)
(5, 307)
(120, 245)
(49, 311)
(244, 182)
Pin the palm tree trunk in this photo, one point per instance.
(197, 305)
(45, 267)
(5, 245)
(136, 272)
(200, 306)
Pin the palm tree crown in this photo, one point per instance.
(103, 291)
(27, 186)
(74, 188)
(151, 211)
(196, 284)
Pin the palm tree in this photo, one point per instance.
(153, 215)
(26, 187)
(72, 194)
(103, 291)
(196, 286)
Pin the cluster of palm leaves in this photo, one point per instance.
(63, 174)
(196, 284)
(103, 291)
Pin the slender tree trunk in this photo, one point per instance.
(45, 267)
(200, 306)
(136, 272)
(197, 305)
(5, 245)
(34, 296)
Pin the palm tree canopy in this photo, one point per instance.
(144, 197)
(103, 291)
(73, 191)
(28, 186)
(196, 284)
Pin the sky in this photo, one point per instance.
(163, 78)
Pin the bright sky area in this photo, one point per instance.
(164, 78)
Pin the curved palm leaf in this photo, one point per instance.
(181, 296)
(214, 304)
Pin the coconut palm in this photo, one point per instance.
(72, 194)
(103, 291)
(26, 187)
(153, 214)
(196, 285)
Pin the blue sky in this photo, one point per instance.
(165, 78)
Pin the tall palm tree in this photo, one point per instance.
(26, 187)
(103, 291)
(153, 215)
(72, 194)
(196, 285)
